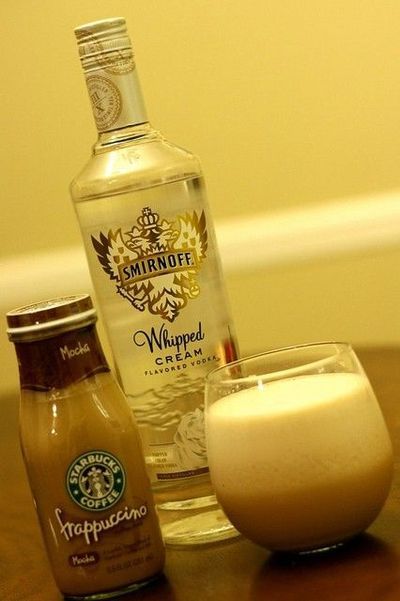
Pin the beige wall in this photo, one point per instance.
(287, 102)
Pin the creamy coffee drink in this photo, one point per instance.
(83, 455)
(75, 453)
(300, 462)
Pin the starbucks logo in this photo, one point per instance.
(95, 480)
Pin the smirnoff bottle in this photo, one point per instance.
(151, 249)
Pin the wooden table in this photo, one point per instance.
(366, 570)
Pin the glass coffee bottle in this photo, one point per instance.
(82, 454)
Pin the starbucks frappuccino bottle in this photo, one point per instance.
(83, 454)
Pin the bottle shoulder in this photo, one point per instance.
(88, 409)
(133, 163)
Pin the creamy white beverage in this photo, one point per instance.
(300, 462)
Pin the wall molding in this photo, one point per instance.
(315, 232)
(265, 240)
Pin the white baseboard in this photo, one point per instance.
(260, 241)
(315, 232)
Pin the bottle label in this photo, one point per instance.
(95, 480)
(92, 530)
(155, 264)
(106, 101)
(114, 90)
(156, 273)
(58, 362)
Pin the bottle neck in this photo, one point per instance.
(138, 132)
(115, 94)
(58, 362)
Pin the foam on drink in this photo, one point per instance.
(300, 461)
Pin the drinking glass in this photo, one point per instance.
(299, 453)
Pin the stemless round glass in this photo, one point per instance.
(299, 453)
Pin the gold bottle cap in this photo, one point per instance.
(49, 318)
(103, 43)
(111, 76)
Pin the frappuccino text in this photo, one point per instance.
(90, 529)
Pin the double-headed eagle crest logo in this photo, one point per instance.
(155, 264)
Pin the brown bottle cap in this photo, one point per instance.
(49, 318)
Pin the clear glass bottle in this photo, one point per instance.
(151, 248)
(83, 454)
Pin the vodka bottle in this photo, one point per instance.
(151, 249)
